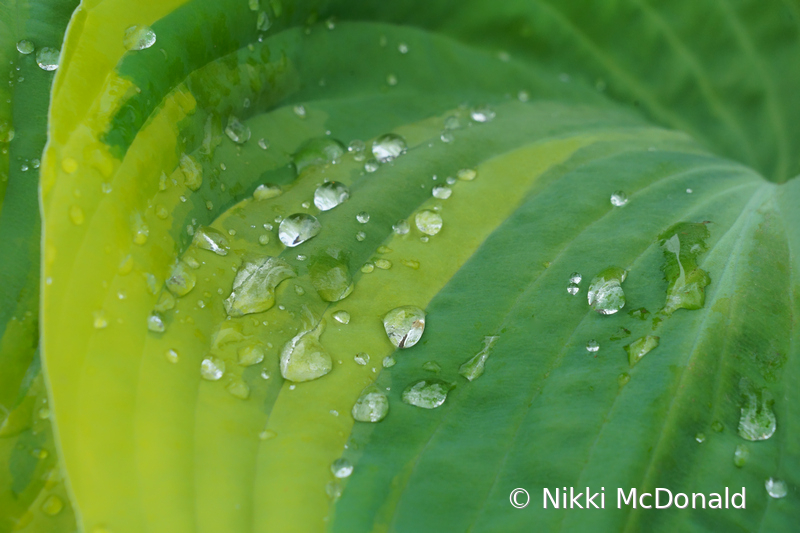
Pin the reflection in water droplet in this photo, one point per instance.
(330, 194)
(605, 291)
(387, 147)
(640, 347)
(210, 239)
(361, 358)
(254, 285)
(619, 198)
(298, 228)
(482, 114)
(318, 151)
(573, 289)
(372, 405)
(383, 264)
(182, 280)
(442, 192)
(342, 317)
(740, 455)
(473, 368)
(303, 358)
(362, 217)
(47, 58)
(342, 468)
(404, 325)
(428, 222)
(25, 46)
(212, 368)
(236, 131)
(155, 322)
(426, 393)
(592, 346)
(754, 423)
(401, 227)
(776, 488)
(139, 37)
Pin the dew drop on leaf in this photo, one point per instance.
(573, 289)
(25, 46)
(236, 131)
(442, 192)
(238, 389)
(181, 280)
(776, 488)
(401, 227)
(155, 322)
(361, 358)
(171, 355)
(47, 58)
(317, 151)
(640, 347)
(388, 362)
(330, 275)
(303, 358)
(740, 455)
(619, 198)
(482, 114)
(605, 291)
(371, 165)
(139, 37)
(341, 468)
(362, 217)
(330, 194)
(757, 422)
(100, 320)
(212, 368)
(700, 438)
(266, 191)
(298, 228)
(575, 277)
(263, 144)
(428, 222)
(372, 405)
(473, 368)
(360, 236)
(426, 393)
(404, 325)
(210, 239)
(251, 355)
(342, 317)
(52, 505)
(76, 215)
(387, 147)
(192, 172)
(592, 346)
(254, 286)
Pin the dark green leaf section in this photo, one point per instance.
(548, 414)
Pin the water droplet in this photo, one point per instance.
(267, 434)
(442, 192)
(254, 285)
(236, 131)
(371, 165)
(573, 289)
(25, 46)
(428, 222)
(367, 267)
(619, 198)
(387, 147)
(76, 215)
(391, 80)
(263, 22)
(182, 280)
(740, 455)
(330, 275)
(402, 48)
(623, 379)
(52, 505)
(100, 319)
(592, 346)
(263, 143)
(342, 468)
(473, 368)
(700, 437)
(523, 96)
(360, 236)
(361, 358)
(640, 347)
(330, 194)
(139, 37)
(155, 322)
(605, 291)
(689, 191)
(383, 264)
(754, 423)
(333, 490)
(298, 228)
(266, 191)
(47, 58)
(318, 151)
(426, 393)
(401, 227)
(482, 114)
(238, 389)
(212, 368)
(303, 358)
(253, 5)
(776, 488)
(431, 366)
(404, 325)
(263, 239)
(717, 426)
(575, 277)
(171, 355)
(447, 137)
(388, 361)
(372, 405)
(251, 355)
(192, 172)
(362, 217)
(342, 317)
(166, 301)
(210, 239)
(682, 244)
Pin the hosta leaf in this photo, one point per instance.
(190, 424)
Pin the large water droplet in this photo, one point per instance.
(387, 147)
(47, 58)
(25, 46)
(404, 325)
(303, 358)
(426, 393)
(254, 285)
(210, 239)
(341, 468)
(372, 405)
(330, 275)
(182, 280)
(757, 423)
(330, 194)
(474, 367)
(605, 291)
(236, 131)
(298, 228)
(428, 222)
(640, 347)
(212, 368)
(619, 198)
(776, 488)
(318, 151)
(139, 37)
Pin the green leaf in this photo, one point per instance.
(530, 116)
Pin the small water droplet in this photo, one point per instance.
(523, 96)
(362, 217)
(389, 361)
(428, 222)
(330, 194)
(402, 48)
(623, 379)
(171, 355)
(139, 37)
(482, 113)
(776, 488)
(740, 455)
(640, 347)
(25, 46)
(619, 198)
(387, 147)
(266, 191)
(442, 192)
(575, 277)
(372, 405)
(473, 368)
(210, 239)
(333, 490)
(689, 191)
(263, 143)
(263, 239)
(700, 437)
(300, 111)
(383, 264)
(318, 151)
(155, 322)
(192, 172)
(757, 423)
(236, 131)
(401, 227)
(426, 393)
(298, 228)
(254, 286)
(431, 366)
(342, 468)
(367, 267)
(592, 346)
(717, 426)
(605, 291)
(342, 317)
(447, 137)
(267, 434)
(360, 236)
(361, 358)
(212, 368)
(391, 80)
(47, 58)
(100, 319)
(52, 505)
(573, 289)
(238, 389)
(404, 325)
(371, 165)
(76, 215)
